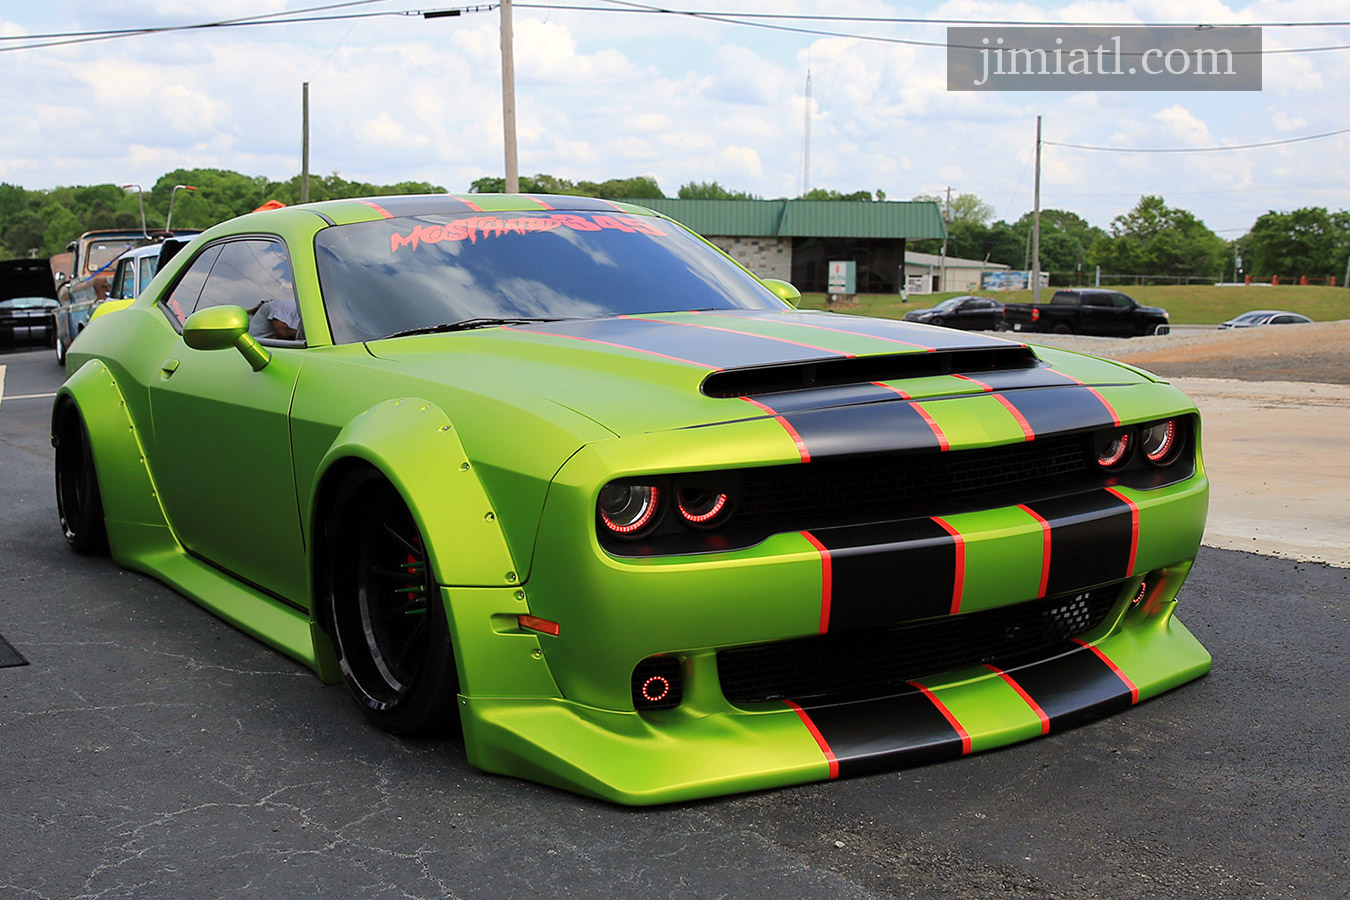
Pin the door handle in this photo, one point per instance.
(168, 367)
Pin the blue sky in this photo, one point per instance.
(606, 95)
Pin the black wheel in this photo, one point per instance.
(1063, 329)
(937, 320)
(385, 614)
(1000, 325)
(78, 500)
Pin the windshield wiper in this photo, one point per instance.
(470, 324)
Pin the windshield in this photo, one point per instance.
(948, 304)
(103, 252)
(393, 275)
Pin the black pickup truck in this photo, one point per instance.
(1087, 311)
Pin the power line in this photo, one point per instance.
(1219, 149)
(754, 20)
(628, 6)
(285, 17)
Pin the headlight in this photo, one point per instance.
(1115, 452)
(628, 509)
(700, 507)
(1160, 442)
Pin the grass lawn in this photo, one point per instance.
(1195, 304)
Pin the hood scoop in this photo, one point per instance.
(798, 376)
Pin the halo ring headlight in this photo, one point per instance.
(1116, 451)
(1161, 442)
(628, 509)
(699, 507)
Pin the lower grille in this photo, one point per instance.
(861, 665)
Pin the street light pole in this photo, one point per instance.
(509, 101)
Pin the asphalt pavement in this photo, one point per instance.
(149, 750)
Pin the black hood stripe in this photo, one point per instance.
(708, 347)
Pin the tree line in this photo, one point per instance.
(1151, 239)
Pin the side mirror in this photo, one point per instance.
(222, 327)
(783, 291)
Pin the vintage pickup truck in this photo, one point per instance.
(1087, 311)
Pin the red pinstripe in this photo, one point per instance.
(1134, 528)
(1021, 692)
(575, 337)
(766, 337)
(943, 443)
(826, 580)
(787, 426)
(947, 714)
(378, 208)
(1134, 691)
(959, 581)
(820, 738)
(1017, 414)
(542, 203)
(1045, 547)
(904, 394)
(988, 388)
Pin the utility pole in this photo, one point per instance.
(806, 134)
(304, 143)
(946, 220)
(509, 101)
(1036, 224)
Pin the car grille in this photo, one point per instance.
(824, 491)
(864, 664)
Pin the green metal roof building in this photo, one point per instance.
(797, 239)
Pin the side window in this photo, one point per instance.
(256, 274)
(1120, 301)
(148, 266)
(183, 298)
(122, 285)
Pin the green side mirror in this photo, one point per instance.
(222, 327)
(783, 291)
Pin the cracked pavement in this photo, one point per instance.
(149, 750)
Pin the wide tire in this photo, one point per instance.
(1063, 329)
(78, 499)
(383, 608)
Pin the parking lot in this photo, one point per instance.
(152, 751)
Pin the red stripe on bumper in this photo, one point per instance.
(826, 580)
(820, 738)
(1125, 679)
(1017, 414)
(947, 714)
(1134, 528)
(1021, 692)
(1045, 547)
(959, 575)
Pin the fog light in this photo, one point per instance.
(658, 683)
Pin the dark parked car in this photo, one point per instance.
(27, 303)
(968, 313)
(1266, 317)
(1087, 311)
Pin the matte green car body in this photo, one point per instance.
(499, 442)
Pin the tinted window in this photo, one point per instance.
(383, 277)
(1065, 297)
(246, 274)
(183, 298)
(1120, 301)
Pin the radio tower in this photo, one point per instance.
(806, 135)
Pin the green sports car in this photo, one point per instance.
(559, 473)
